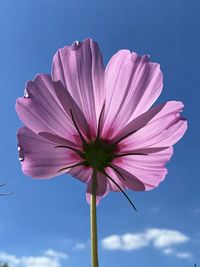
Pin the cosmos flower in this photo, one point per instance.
(85, 117)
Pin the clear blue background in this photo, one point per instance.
(54, 213)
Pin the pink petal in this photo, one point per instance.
(71, 108)
(132, 85)
(42, 111)
(40, 158)
(174, 133)
(80, 68)
(102, 188)
(141, 151)
(117, 179)
(138, 123)
(163, 130)
(124, 179)
(82, 173)
(147, 169)
(61, 141)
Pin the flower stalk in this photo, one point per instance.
(93, 222)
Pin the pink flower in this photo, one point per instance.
(87, 117)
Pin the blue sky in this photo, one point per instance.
(46, 223)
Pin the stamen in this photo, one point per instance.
(79, 132)
(121, 190)
(71, 166)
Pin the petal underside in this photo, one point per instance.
(164, 129)
(47, 108)
(123, 179)
(132, 84)
(82, 102)
(41, 110)
(81, 173)
(40, 158)
(143, 172)
(80, 69)
(102, 188)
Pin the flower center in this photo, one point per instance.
(98, 154)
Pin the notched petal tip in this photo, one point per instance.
(138, 58)
(37, 79)
(76, 45)
(20, 153)
(26, 94)
(41, 77)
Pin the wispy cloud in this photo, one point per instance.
(183, 255)
(55, 254)
(80, 246)
(155, 210)
(50, 258)
(196, 211)
(39, 261)
(180, 254)
(162, 239)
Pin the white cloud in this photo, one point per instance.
(165, 237)
(162, 239)
(112, 242)
(55, 254)
(80, 246)
(42, 261)
(12, 259)
(134, 241)
(124, 242)
(50, 258)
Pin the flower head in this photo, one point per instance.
(85, 117)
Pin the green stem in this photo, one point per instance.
(93, 222)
